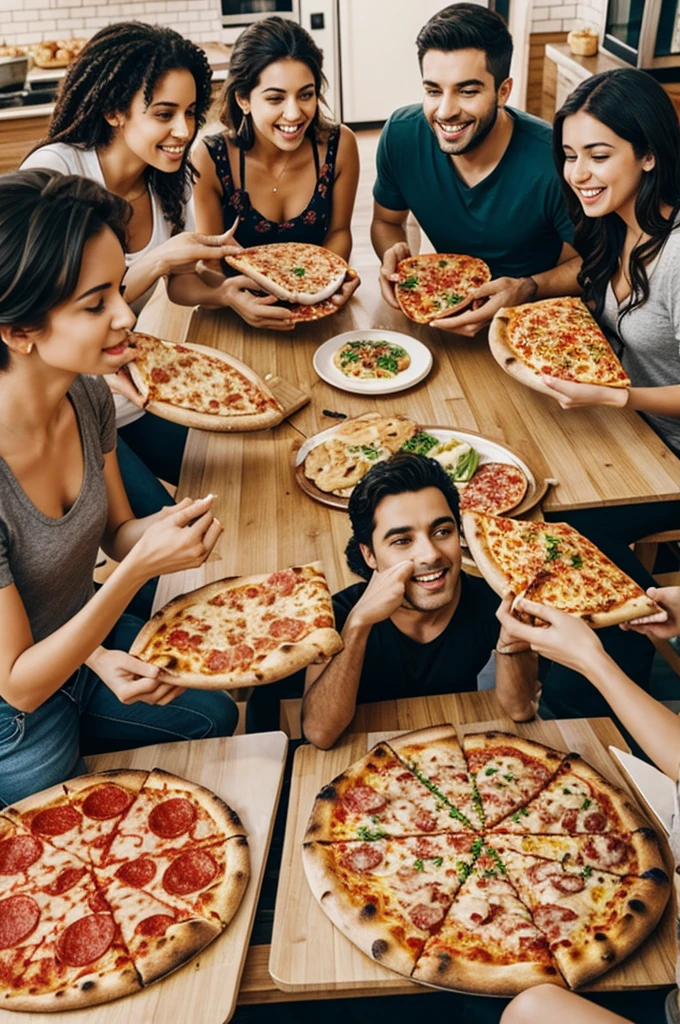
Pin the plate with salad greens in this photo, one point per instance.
(373, 362)
(489, 476)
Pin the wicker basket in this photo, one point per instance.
(583, 44)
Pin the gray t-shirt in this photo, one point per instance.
(647, 340)
(51, 560)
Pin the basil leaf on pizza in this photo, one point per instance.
(434, 285)
(556, 337)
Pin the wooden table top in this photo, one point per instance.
(600, 456)
(309, 955)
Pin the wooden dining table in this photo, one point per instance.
(596, 456)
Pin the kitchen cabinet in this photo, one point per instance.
(18, 136)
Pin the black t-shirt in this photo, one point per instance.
(396, 666)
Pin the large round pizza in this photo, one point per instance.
(111, 881)
(486, 868)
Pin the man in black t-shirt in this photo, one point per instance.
(419, 626)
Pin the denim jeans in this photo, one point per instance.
(45, 747)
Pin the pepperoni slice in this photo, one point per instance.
(549, 917)
(569, 821)
(107, 802)
(172, 818)
(86, 940)
(362, 858)
(616, 851)
(596, 821)
(364, 800)
(425, 821)
(19, 916)
(190, 872)
(542, 871)
(425, 917)
(64, 881)
(55, 821)
(18, 853)
(219, 661)
(137, 873)
(324, 622)
(155, 926)
(569, 883)
(287, 629)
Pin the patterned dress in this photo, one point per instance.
(310, 226)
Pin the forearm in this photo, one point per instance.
(329, 704)
(655, 727)
(142, 274)
(384, 235)
(663, 401)
(561, 280)
(339, 242)
(42, 668)
(119, 544)
(189, 290)
(517, 684)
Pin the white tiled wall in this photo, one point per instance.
(592, 11)
(561, 16)
(31, 21)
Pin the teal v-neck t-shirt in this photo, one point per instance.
(515, 218)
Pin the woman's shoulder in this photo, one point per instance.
(57, 156)
(92, 394)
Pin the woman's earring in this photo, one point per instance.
(245, 130)
(29, 348)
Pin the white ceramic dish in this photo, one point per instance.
(421, 363)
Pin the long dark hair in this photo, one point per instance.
(45, 220)
(262, 44)
(402, 473)
(636, 108)
(118, 62)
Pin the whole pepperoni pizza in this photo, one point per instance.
(487, 867)
(109, 882)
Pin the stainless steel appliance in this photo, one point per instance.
(244, 12)
(646, 34)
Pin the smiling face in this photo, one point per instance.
(88, 332)
(600, 166)
(160, 133)
(282, 104)
(418, 525)
(461, 100)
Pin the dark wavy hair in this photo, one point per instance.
(117, 63)
(262, 44)
(636, 108)
(469, 27)
(402, 473)
(45, 220)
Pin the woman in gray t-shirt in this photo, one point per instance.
(617, 144)
(67, 683)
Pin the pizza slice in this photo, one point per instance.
(243, 632)
(101, 801)
(553, 564)
(434, 285)
(495, 488)
(171, 815)
(293, 271)
(200, 387)
(27, 863)
(507, 771)
(591, 918)
(389, 896)
(436, 757)
(50, 817)
(204, 882)
(377, 797)
(576, 800)
(630, 853)
(556, 337)
(488, 941)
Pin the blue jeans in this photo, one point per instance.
(45, 747)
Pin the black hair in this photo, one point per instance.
(402, 473)
(45, 220)
(262, 44)
(469, 27)
(118, 62)
(636, 108)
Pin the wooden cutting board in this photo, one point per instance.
(246, 771)
(309, 954)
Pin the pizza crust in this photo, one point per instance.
(508, 360)
(443, 971)
(479, 550)
(336, 270)
(180, 943)
(89, 990)
(271, 416)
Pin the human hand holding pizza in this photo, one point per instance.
(256, 310)
(132, 680)
(383, 595)
(121, 384)
(483, 304)
(181, 537)
(571, 395)
(346, 291)
(566, 639)
(651, 625)
(388, 271)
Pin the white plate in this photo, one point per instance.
(421, 363)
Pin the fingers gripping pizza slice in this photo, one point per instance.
(389, 896)
(434, 285)
(243, 632)
(293, 271)
(557, 337)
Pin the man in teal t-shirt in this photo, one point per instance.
(479, 177)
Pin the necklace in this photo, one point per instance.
(280, 174)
